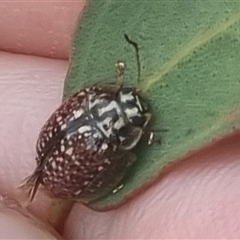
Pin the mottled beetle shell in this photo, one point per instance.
(84, 149)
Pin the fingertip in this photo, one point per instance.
(17, 223)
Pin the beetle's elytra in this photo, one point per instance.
(85, 148)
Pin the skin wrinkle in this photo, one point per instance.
(36, 33)
(24, 117)
(19, 223)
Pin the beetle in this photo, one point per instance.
(84, 150)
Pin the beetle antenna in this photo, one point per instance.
(135, 45)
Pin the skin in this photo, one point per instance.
(197, 198)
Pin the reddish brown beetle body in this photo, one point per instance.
(84, 149)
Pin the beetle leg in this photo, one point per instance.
(30, 187)
(118, 188)
(110, 179)
(149, 136)
(119, 68)
(148, 117)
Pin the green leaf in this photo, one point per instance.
(190, 72)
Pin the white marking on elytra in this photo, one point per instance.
(93, 103)
(60, 159)
(107, 133)
(63, 126)
(47, 173)
(85, 183)
(50, 178)
(100, 168)
(81, 94)
(69, 151)
(77, 192)
(42, 144)
(104, 146)
(107, 121)
(87, 134)
(122, 138)
(54, 166)
(77, 113)
(112, 105)
(88, 147)
(68, 137)
(96, 135)
(107, 161)
(71, 119)
(84, 129)
(126, 97)
(59, 119)
(119, 123)
(77, 163)
(103, 95)
(62, 148)
(131, 112)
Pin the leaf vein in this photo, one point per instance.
(199, 40)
